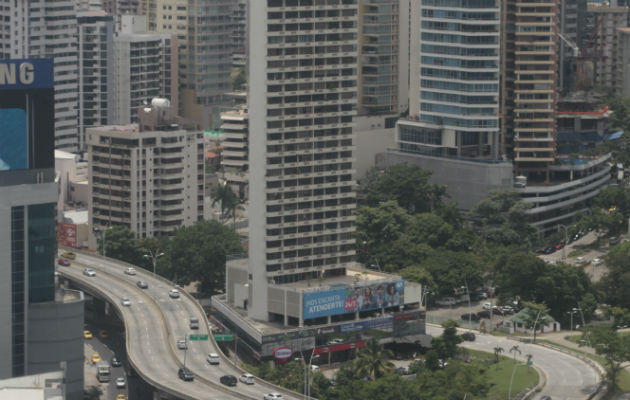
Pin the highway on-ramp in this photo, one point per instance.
(153, 324)
(567, 377)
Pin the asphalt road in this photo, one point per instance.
(154, 322)
(98, 345)
(567, 377)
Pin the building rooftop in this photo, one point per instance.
(130, 128)
(353, 277)
(64, 155)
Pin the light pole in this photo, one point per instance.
(424, 298)
(103, 233)
(469, 307)
(566, 241)
(573, 311)
(153, 256)
(308, 372)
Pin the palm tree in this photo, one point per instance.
(529, 362)
(497, 351)
(223, 194)
(373, 360)
(515, 349)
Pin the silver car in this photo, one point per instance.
(89, 272)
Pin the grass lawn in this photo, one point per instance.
(501, 373)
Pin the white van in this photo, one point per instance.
(213, 359)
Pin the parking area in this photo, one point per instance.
(437, 315)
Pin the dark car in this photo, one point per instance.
(468, 336)
(613, 240)
(116, 362)
(229, 380)
(497, 311)
(142, 284)
(470, 316)
(549, 250)
(185, 374)
(483, 314)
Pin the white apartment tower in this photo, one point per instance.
(96, 66)
(454, 92)
(150, 181)
(302, 104)
(47, 29)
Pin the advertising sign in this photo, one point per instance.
(27, 114)
(67, 234)
(339, 347)
(282, 353)
(352, 299)
(369, 324)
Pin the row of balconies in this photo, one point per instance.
(338, 184)
(309, 222)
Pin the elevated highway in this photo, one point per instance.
(153, 324)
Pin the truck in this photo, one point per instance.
(103, 371)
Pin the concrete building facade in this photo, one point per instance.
(235, 131)
(145, 67)
(150, 181)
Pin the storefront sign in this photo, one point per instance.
(282, 353)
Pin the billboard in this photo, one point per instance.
(27, 114)
(66, 234)
(353, 299)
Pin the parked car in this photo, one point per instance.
(120, 382)
(486, 306)
(404, 370)
(142, 284)
(130, 271)
(468, 336)
(507, 309)
(470, 316)
(559, 245)
(89, 272)
(596, 261)
(483, 314)
(213, 359)
(613, 240)
(182, 344)
(63, 262)
(185, 374)
(447, 301)
(173, 293)
(247, 379)
(229, 380)
(581, 260)
(497, 311)
(549, 250)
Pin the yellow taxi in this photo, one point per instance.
(96, 358)
(69, 255)
(121, 397)
(87, 334)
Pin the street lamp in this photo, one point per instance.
(153, 256)
(308, 373)
(573, 311)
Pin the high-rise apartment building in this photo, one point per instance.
(204, 32)
(147, 176)
(45, 29)
(235, 131)
(380, 64)
(302, 102)
(529, 90)
(454, 94)
(145, 66)
(40, 325)
(96, 70)
(122, 7)
(239, 33)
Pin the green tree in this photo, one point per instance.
(501, 218)
(223, 194)
(198, 254)
(613, 347)
(418, 274)
(534, 316)
(446, 344)
(615, 283)
(239, 80)
(408, 185)
(373, 360)
(93, 393)
(121, 243)
(451, 270)
(497, 352)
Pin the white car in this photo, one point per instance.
(125, 302)
(596, 261)
(120, 382)
(89, 272)
(213, 359)
(182, 344)
(486, 306)
(581, 260)
(173, 293)
(314, 368)
(247, 379)
(130, 271)
(273, 396)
